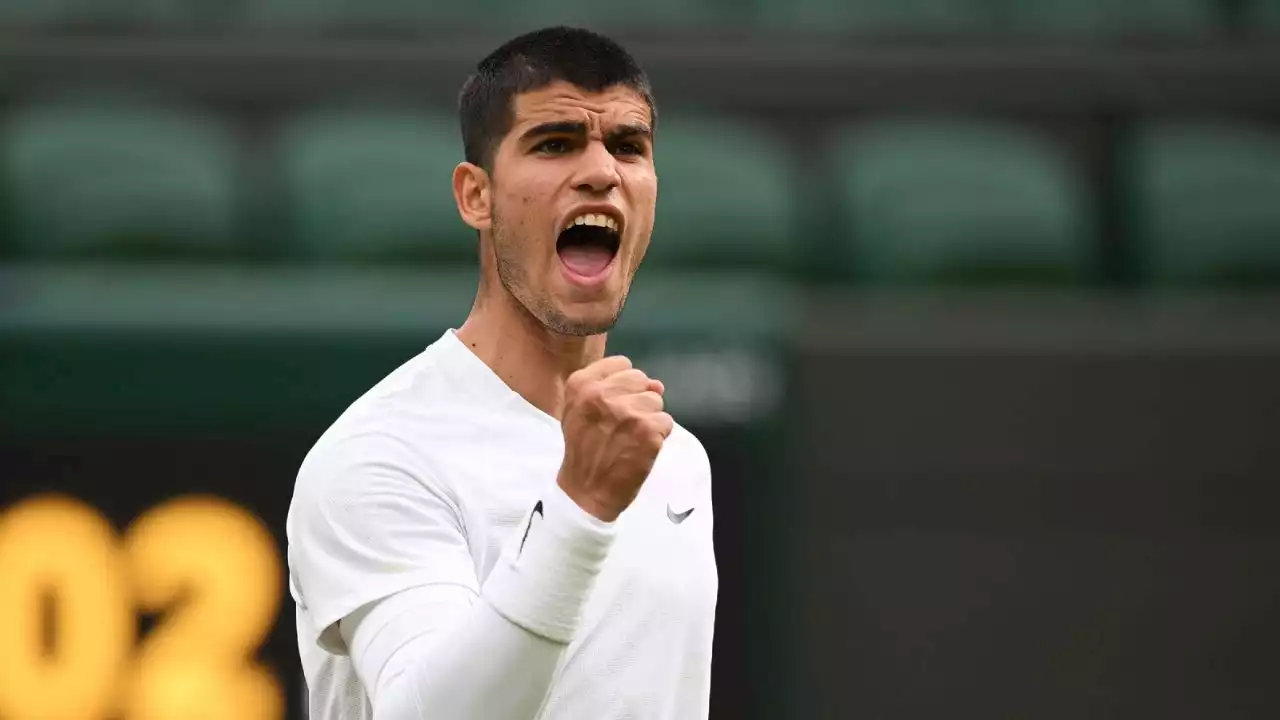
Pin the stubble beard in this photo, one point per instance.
(515, 281)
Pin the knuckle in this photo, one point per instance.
(634, 376)
(631, 416)
(619, 413)
(575, 382)
(655, 440)
(654, 426)
(589, 395)
(650, 402)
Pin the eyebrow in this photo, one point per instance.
(623, 131)
(565, 127)
(562, 127)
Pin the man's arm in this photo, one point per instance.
(477, 664)
(379, 557)
(442, 651)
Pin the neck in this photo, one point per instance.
(532, 360)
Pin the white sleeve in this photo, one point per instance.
(382, 565)
(424, 653)
(364, 524)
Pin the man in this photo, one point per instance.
(509, 526)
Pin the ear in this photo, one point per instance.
(472, 192)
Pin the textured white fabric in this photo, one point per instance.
(543, 581)
(421, 653)
(426, 484)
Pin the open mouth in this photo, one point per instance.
(588, 245)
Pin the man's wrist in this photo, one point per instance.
(546, 574)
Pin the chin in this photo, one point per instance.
(581, 324)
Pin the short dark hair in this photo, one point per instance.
(534, 60)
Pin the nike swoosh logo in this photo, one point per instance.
(537, 510)
(676, 517)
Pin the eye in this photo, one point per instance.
(552, 146)
(628, 148)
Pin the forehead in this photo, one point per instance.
(562, 101)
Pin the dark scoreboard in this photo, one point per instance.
(204, 567)
(144, 579)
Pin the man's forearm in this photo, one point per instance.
(497, 658)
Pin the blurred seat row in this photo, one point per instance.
(1098, 17)
(914, 200)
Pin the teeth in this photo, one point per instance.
(594, 219)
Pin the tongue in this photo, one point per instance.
(586, 260)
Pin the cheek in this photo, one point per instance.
(644, 205)
(528, 202)
(644, 195)
(645, 200)
(519, 207)
(524, 214)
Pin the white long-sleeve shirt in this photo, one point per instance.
(440, 573)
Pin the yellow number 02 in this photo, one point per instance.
(207, 565)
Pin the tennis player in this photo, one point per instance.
(509, 526)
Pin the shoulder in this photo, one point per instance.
(399, 429)
(688, 451)
(373, 480)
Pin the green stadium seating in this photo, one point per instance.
(395, 17)
(707, 308)
(208, 348)
(47, 14)
(370, 184)
(881, 17)
(110, 180)
(727, 196)
(1204, 202)
(1101, 18)
(608, 17)
(1263, 15)
(961, 202)
(306, 15)
(500, 15)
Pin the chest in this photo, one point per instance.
(663, 557)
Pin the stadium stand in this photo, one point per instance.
(1107, 18)
(344, 15)
(98, 14)
(660, 15)
(1263, 15)
(956, 201)
(400, 17)
(372, 184)
(511, 15)
(728, 196)
(112, 180)
(1202, 202)
(881, 17)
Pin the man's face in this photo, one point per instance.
(573, 193)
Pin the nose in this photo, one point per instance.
(597, 172)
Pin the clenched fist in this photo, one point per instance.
(614, 426)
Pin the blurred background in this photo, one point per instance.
(974, 303)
